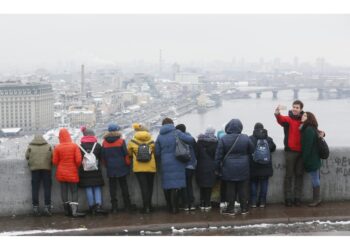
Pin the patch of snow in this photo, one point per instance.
(48, 231)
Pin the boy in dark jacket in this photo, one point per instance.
(116, 159)
(38, 155)
(260, 171)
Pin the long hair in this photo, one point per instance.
(311, 120)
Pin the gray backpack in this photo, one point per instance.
(144, 152)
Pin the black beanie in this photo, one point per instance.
(181, 127)
(258, 125)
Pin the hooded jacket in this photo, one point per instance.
(290, 124)
(236, 165)
(115, 155)
(67, 158)
(256, 169)
(309, 150)
(39, 154)
(142, 137)
(206, 164)
(172, 170)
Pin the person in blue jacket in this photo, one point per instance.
(234, 161)
(187, 193)
(172, 170)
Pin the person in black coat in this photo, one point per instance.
(233, 160)
(206, 166)
(260, 173)
(92, 181)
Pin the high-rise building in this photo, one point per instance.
(26, 106)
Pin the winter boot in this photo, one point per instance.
(230, 209)
(316, 197)
(67, 209)
(47, 210)
(174, 197)
(75, 213)
(92, 210)
(36, 211)
(99, 210)
(114, 208)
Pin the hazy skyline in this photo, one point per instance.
(44, 40)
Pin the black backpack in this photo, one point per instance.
(323, 149)
(322, 146)
(144, 152)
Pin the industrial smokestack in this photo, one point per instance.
(83, 94)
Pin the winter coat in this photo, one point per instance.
(172, 170)
(67, 158)
(256, 169)
(91, 178)
(142, 137)
(290, 124)
(309, 148)
(115, 155)
(236, 165)
(206, 164)
(39, 154)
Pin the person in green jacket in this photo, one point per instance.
(38, 155)
(310, 155)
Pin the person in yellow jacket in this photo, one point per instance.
(141, 150)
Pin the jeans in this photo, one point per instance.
(145, 180)
(93, 195)
(205, 194)
(294, 167)
(187, 192)
(73, 187)
(255, 184)
(315, 178)
(240, 187)
(39, 176)
(123, 186)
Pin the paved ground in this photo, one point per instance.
(330, 218)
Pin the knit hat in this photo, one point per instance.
(113, 127)
(139, 127)
(210, 131)
(258, 125)
(181, 127)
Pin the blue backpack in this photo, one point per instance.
(262, 153)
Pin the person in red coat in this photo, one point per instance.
(292, 148)
(67, 158)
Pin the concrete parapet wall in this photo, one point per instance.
(15, 184)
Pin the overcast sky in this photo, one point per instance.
(28, 40)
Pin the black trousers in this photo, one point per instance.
(187, 192)
(145, 180)
(223, 191)
(65, 188)
(238, 187)
(205, 195)
(172, 199)
(43, 176)
(123, 186)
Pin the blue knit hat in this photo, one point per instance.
(113, 127)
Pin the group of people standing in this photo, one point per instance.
(241, 163)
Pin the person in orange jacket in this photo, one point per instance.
(67, 158)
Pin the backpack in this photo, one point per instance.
(262, 153)
(89, 159)
(144, 152)
(182, 150)
(322, 147)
